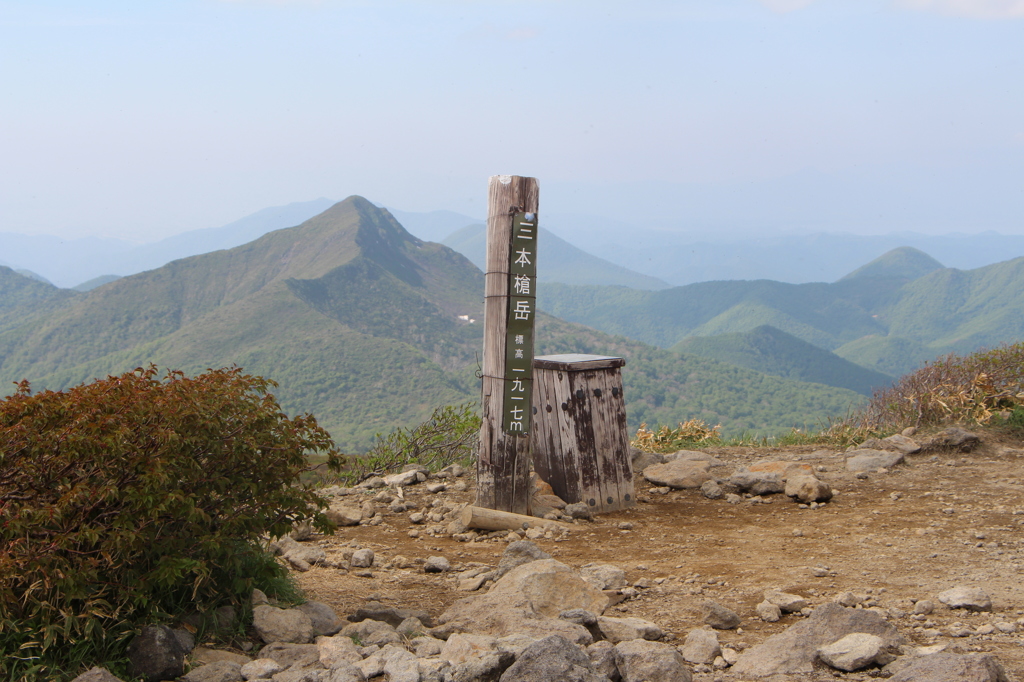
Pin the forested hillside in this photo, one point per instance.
(359, 323)
(886, 316)
(773, 351)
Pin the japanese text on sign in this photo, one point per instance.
(522, 306)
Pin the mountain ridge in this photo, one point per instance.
(359, 323)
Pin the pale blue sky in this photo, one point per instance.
(144, 119)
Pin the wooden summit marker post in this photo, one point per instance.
(503, 465)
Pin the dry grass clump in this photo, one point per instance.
(692, 433)
(970, 389)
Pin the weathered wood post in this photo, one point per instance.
(579, 440)
(503, 465)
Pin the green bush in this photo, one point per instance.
(450, 435)
(134, 499)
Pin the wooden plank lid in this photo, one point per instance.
(577, 362)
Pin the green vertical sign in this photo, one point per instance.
(522, 309)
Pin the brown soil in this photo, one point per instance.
(937, 521)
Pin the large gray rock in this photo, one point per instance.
(325, 621)
(642, 460)
(344, 672)
(795, 649)
(701, 646)
(291, 655)
(788, 602)
(461, 647)
(680, 474)
(156, 654)
(483, 669)
(757, 482)
(872, 460)
(855, 651)
(970, 598)
(332, 651)
(617, 630)
(528, 600)
(97, 674)
(949, 667)
(903, 444)
(370, 632)
(344, 515)
(362, 558)
(260, 669)
(602, 657)
(519, 553)
(718, 616)
(374, 610)
(282, 625)
(402, 666)
(643, 661)
(221, 671)
(552, 659)
(807, 489)
(953, 438)
(604, 576)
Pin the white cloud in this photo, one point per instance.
(975, 9)
(783, 6)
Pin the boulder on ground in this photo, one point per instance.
(855, 651)
(789, 603)
(795, 649)
(372, 632)
(518, 553)
(528, 600)
(784, 469)
(757, 482)
(602, 657)
(768, 612)
(291, 655)
(872, 460)
(970, 598)
(325, 621)
(552, 659)
(641, 661)
(282, 625)
(953, 438)
(604, 576)
(950, 667)
(701, 646)
(641, 460)
(221, 671)
(333, 650)
(617, 630)
(718, 616)
(374, 610)
(679, 473)
(156, 654)
(807, 489)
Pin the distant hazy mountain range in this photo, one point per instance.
(360, 323)
(585, 243)
(887, 316)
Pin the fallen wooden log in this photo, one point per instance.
(492, 519)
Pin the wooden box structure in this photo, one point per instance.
(579, 441)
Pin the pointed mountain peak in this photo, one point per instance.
(904, 262)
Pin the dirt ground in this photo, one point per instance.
(937, 521)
